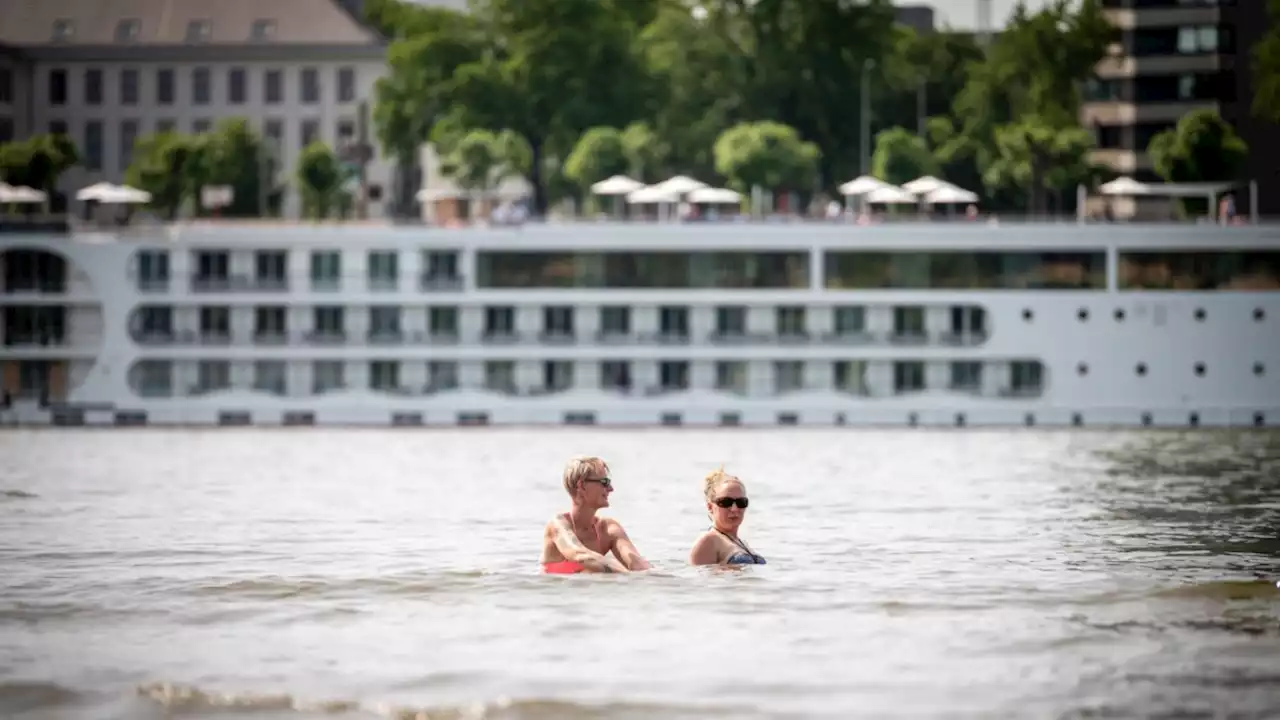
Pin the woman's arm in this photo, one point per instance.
(706, 551)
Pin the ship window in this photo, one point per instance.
(1119, 315)
(672, 419)
(1259, 369)
(725, 270)
(1259, 314)
(788, 419)
(1077, 420)
(972, 270)
(1200, 315)
(961, 421)
(1199, 369)
(1146, 419)
(1082, 314)
(1029, 420)
(1259, 419)
(1141, 369)
(1200, 270)
(1194, 420)
(730, 419)
(913, 420)
(1027, 314)
(1082, 369)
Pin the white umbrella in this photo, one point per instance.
(714, 195)
(862, 185)
(890, 195)
(680, 184)
(616, 185)
(925, 185)
(945, 195)
(652, 196)
(97, 191)
(1124, 186)
(125, 195)
(21, 195)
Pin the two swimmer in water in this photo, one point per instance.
(580, 541)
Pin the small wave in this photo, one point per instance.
(186, 700)
(18, 495)
(277, 587)
(1226, 590)
(17, 696)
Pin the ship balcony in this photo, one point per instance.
(274, 338)
(911, 338)
(613, 337)
(153, 285)
(388, 337)
(664, 338)
(325, 337)
(500, 337)
(35, 286)
(557, 337)
(238, 283)
(433, 282)
(848, 338)
(963, 339)
(166, 338)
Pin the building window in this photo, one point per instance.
(346, 85)
(236, 90)
(128, 136)
(273, 130)
(198, 31)
(93, 145)
(58, 87)
(442, 375)
(326, 269)
(6, 85)
(166, 125)
(310, 132)
(326, 375)
(201, 82)
(310, 86)
(615, 320)
(263, 30)
(6, 130)
(384, 272)
(615, 375)
(201, 126)
(442, 321)
(127, 30)
(164, 86)
(273, 87)
(673, 374)
(129, 86)
(63, 30)
(93, 86)
(731, 376)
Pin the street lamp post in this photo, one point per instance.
(867, 65)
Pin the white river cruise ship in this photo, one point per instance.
(700, 324)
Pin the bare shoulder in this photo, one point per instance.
(612, 527)
(706, 549)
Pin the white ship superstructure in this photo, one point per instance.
(942, 324)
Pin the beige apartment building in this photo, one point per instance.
(109, 71)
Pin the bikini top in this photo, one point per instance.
(746, 557)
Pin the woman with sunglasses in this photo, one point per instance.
(727, 505)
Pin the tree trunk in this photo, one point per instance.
(536, 179)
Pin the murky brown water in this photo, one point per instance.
(300, 574)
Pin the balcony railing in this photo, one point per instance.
(238, 283)
(431, 282)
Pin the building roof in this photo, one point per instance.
(160, 23)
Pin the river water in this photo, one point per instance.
(349, 574)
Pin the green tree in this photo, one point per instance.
(162, 165)
(599, 154)
(902, 156)
(37, 162)
(646, 152)
(481, 159)
(232, 155)
(1266, 69)
(1202, 148)
(1034, 158)
(320, 177)
(766, 154)
(1036, 68)
(550, 70)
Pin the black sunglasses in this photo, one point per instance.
(607, 482)
(728, 502)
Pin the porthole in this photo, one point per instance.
(1259, 369)
(1029, 420)
(1146, 419)
(1194, 420)
(960, 420)
(1119, 315)
(1200, 315)
(1259, 419)
(1259, 315)
(913, 420)
(1027, 314)
(1082, 369)
(1199, 369)
(840, 421)
(788, 419)
(1077, 420)
(1141, 369)
(1082, 314)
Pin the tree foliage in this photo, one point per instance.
(769, 155)
(320, 177)
(1266, 69)
(38, 161)
(902, 156)
(690, 87)
(1201, 148)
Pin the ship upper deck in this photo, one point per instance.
(740, 236)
